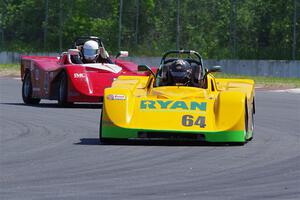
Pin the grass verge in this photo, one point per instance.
(265, 81)
(9, 70)
(260, 81)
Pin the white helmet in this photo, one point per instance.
(90, 50)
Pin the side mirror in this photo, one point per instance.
(145, 68)
(122, 54)
(214, 69)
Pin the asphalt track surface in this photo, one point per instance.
(48, 152)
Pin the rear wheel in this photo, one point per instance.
(27, 91)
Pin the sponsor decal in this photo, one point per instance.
(172, 105)
(116, 97)
(79, 75)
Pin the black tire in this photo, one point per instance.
(27, 91)
(246, 122)
(107, 140)
(101, 139)
(100, 127)
(253, 113)
(253, 103)
(245, 129)
(252, 126)
(63, 91)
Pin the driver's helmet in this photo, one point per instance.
(90, 50)
(180, 72)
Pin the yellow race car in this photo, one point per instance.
(181, 101)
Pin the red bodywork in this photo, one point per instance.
(86, 83)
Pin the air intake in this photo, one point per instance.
(171, 136)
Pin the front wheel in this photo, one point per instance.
(101, 139)
(252, 126)
(27, 91)
(106, 140)
(245, 128)
(100, 127)
(63, 90)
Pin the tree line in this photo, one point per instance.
(237, 29)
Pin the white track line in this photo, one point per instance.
(295, 90)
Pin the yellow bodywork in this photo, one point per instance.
(217, 112)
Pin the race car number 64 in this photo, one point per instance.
(189, 120)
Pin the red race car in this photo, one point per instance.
(79, 75)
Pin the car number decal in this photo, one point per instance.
(189, 120)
